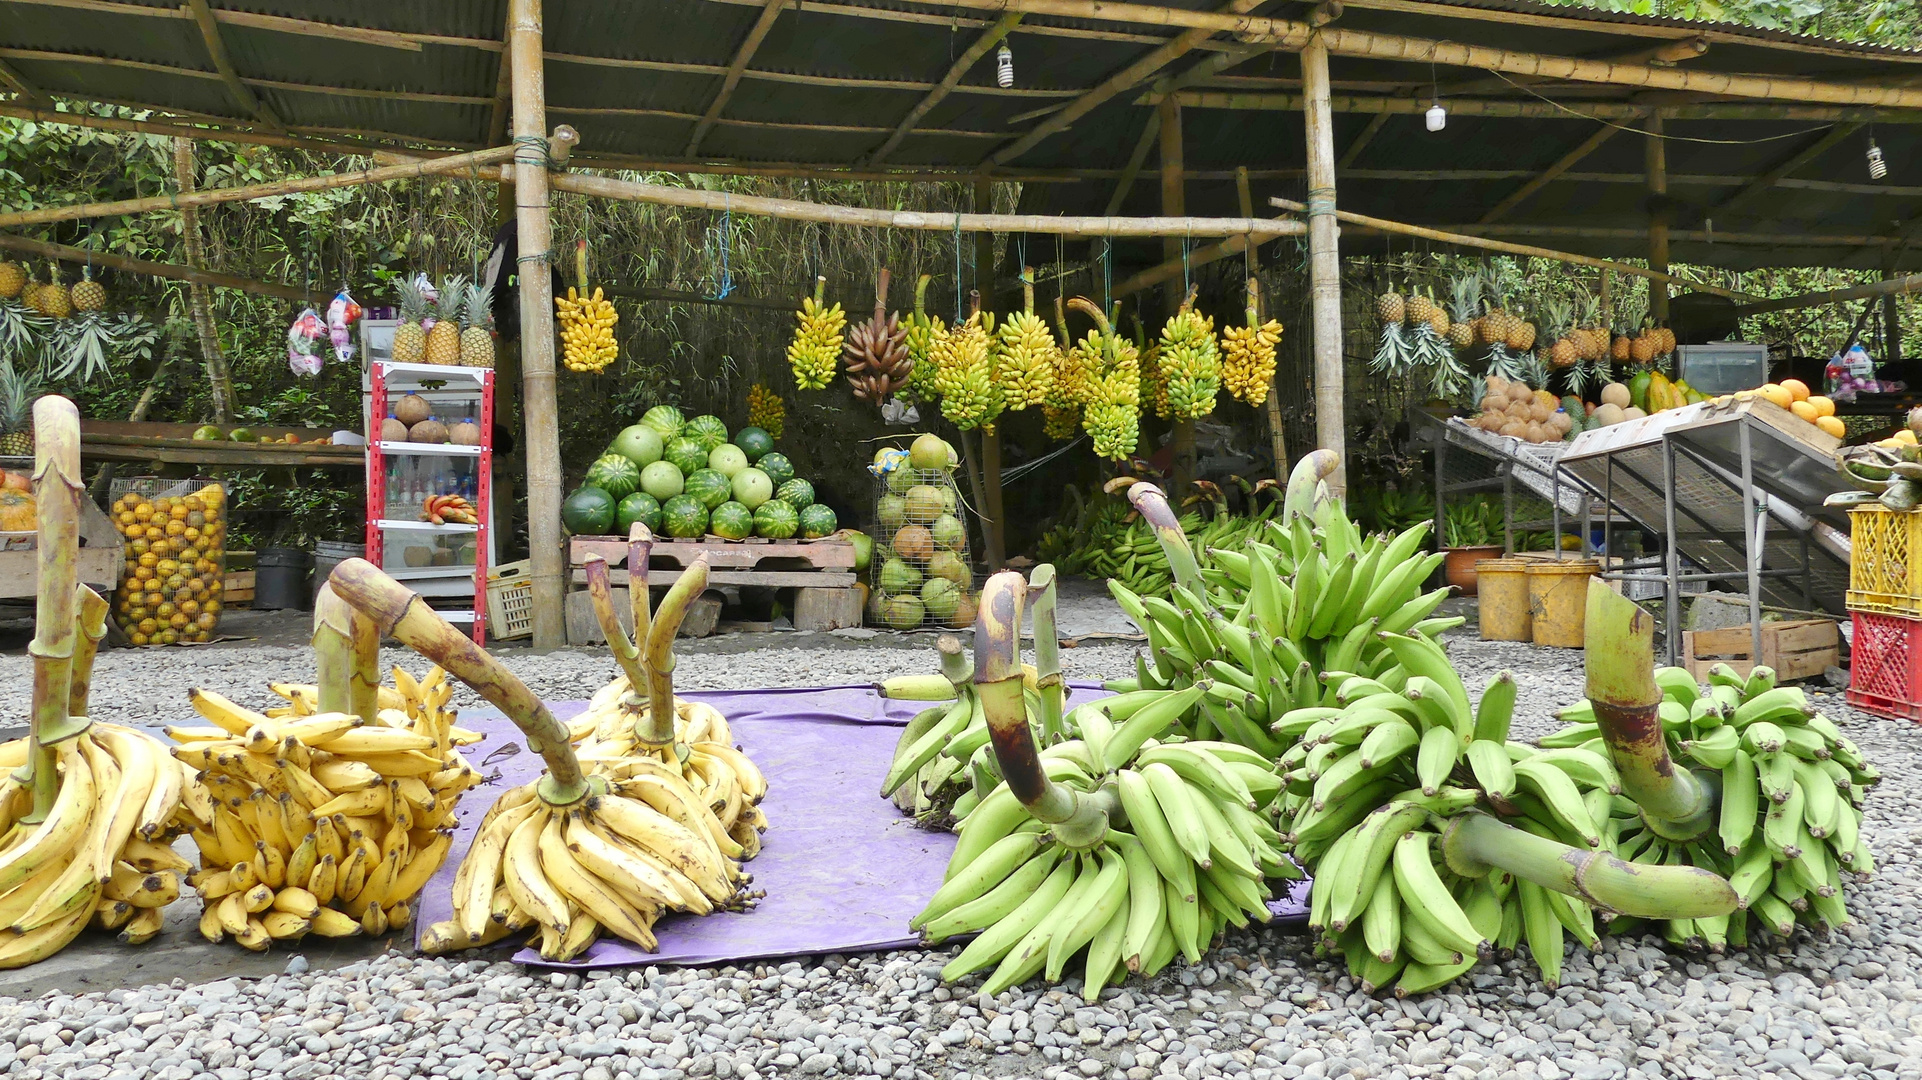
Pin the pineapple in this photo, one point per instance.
(477, 328)
(53, 299)
(89, 295)
(443, 341)
(13, 278)
(1464, 294)
(1420, 308)
(1641, 347)
(1391, 308)
(18, 389)
(410, 341)
(1438, 319)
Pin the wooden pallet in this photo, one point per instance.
(1801, 649)
(807, 564)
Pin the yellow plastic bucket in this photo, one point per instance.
(1502, 595)
(1558, 599)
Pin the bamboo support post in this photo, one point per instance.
(994, 523)
(1174, 203)
(1324, 259)
(219, 375)
(1657, 168)
(539, 410)
(1277, 430)
(57, 492)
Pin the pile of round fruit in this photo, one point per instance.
(682, 478)
(922, 575)
(1513, 408)
(176, 546)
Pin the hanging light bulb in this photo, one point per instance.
(1437, 117)
(1004, 66)
(1877, 167)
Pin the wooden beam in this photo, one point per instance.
(767, 125)
(1174, 203)
(1171, 269)
(1361, 141)
(1150, 131)
(770, 10)
(503, 94)
(949, 19)
(203, 17)
(172, 271)
(1154, 60)
(1809, 151)
(1538, 109)
(1694, 236)
(180, 130)
(1324, 262)
(988, 39)
(11, 77)
(279, 24)
(1547, 176)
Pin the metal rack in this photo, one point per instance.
(1512, 461)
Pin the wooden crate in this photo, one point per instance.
(807, 564)
(1802, 649)
(98, 564)
(237, 588)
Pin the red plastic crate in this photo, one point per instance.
(1885, 669)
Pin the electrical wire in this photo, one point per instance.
(1664, 136)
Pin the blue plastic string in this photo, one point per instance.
(1107, 273)
(1187, 248)
(725, 240)
(957, 265)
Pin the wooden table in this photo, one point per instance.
(174, 444)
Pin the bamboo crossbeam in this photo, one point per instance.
(215, 196)
(1535, 108)
(1466, 240)
(203, 16)
(770, 11)
(1547, 176)
(1902, 286)
(45, 250)
(1783, 167)
(938, 93)
(796, 210)
(1701, 236)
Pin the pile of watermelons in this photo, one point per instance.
(682, 478)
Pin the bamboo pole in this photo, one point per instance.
(172, 271)
(57, 490)
(1571, 109)
(1547, 176)
(1902, 286)
(214, 196)
(1124, 183)
(1174, 203)
(1277, 431)
(219, 375)
(1657, 168)
(1467, 240)
(539, 409)
(1324, 261)
(938, 93)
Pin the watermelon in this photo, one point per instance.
(752, 488)
(731, 521)
(707, 430)
(708, 486)
(797, 493)
(728, 458)
(775, 520)
(777, 467)
(817, 520)
(662, 480)
(684, 517)
(686, 455)
(665, 420)
(755, 442)
(614, 474)
(589, 511)
(639, 444)
(640, 507)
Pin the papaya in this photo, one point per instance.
(1638, 389)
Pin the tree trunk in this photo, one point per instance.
(219, 376)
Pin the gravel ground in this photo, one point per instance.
(1260, 1006)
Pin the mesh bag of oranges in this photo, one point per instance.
(176, 546)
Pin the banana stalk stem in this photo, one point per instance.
(363, 688)
(881, 280)
(1476, 844)
(626, 655)
(57, 494)
(407, 619)
(921, 294)
(91, 621)
(333, 642)
(1153, 506)
(640, 546)
(1304, 482)
(1254, 302)
(1047, 652)
(955, 664)
(820, 290)
(1079, 820)
(1027, 289)
(1620, 657)
(660, 652)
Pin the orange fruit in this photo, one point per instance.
(1777, 393)
(1823, 406)
(1804, 410)
(1797, 389)
(1831, 424)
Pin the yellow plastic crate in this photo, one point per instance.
(510, 601)
(1885, 563)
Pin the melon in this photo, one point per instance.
(754, 442)
(412, 409)
(1616, 394)
(589, 511)
(662, 480)
(940, 597)
(949, 532)
(727, 459)
(666, 420)
(818, 520)
(891, 511)
(640, 507)
(686, 455)
(797, 493)
(777, 467)
(731, 521)
(615, 475)
(775, 520)
(925, 503)
(639, 444)
(707, 430)
(1608, 413)
(752, 487)
(465, 433)
(684, 517)
(708, 486)
(391, 430)
(206, 432)
(928, 454)
(427, 431)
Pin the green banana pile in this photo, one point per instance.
(1190, 362)
(1108, 538)
(1787, 833)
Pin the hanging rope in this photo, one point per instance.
(723, 237)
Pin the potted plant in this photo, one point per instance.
(1472, 526)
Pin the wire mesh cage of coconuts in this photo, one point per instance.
(922, 573)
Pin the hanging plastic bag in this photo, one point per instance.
(431, 295)
(342, 313)
(303, 343)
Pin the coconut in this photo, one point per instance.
(949, 532)
(1515, 429)
(928, 453)
(948, 565)
(925, 503)
(914, 542)
(1617, 395)
(412, 409)
(392, 430)
(427, 431)
(1536, 432)
(1608, 413)
(1539, 411)
(465, 433)
(892, 510)
(1561, 422)
(1489, 421)
(963, 616)
(903, 612)
(940, 597)
(899, 577)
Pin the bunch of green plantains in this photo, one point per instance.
(1043, 869)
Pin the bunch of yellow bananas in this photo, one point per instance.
(816, 347)
(1154, 381)
(1112, 367)
(1248, 360)
(587, 330)
(1189, 362)
(766, 410)
(924, 333)
(964, 373)
(1025, 364)
(323, 822)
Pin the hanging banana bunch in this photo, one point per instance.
(1248, 353)
(1068, 390)
(877, 350)
(587, 322)
(1154, 382)
(924, 333)
(1190, 361)
(1027, 362)
(1112, 415)
(964, 362)
(817, 339)
(766, 410)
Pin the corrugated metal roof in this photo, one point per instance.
(1629, 18)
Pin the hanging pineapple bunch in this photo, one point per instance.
(1560, 348)
(52, 299)
(410, 337)
(964, 371)
(1068, 390)
(13, 278)
(587, 322)
(765, 410)
(924, 331)
(89, 295)
(1112, 415)
(1464, 306)
(1393, 354)
(1650, 343)
(443, 340)
(1248, 353)
(1026, 365)
(877, 350)
(477, 328)
(1504, 332)
(817, 339)
(1190, 361)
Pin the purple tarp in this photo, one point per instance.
(842, 868)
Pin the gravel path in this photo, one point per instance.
(1261, 1006)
